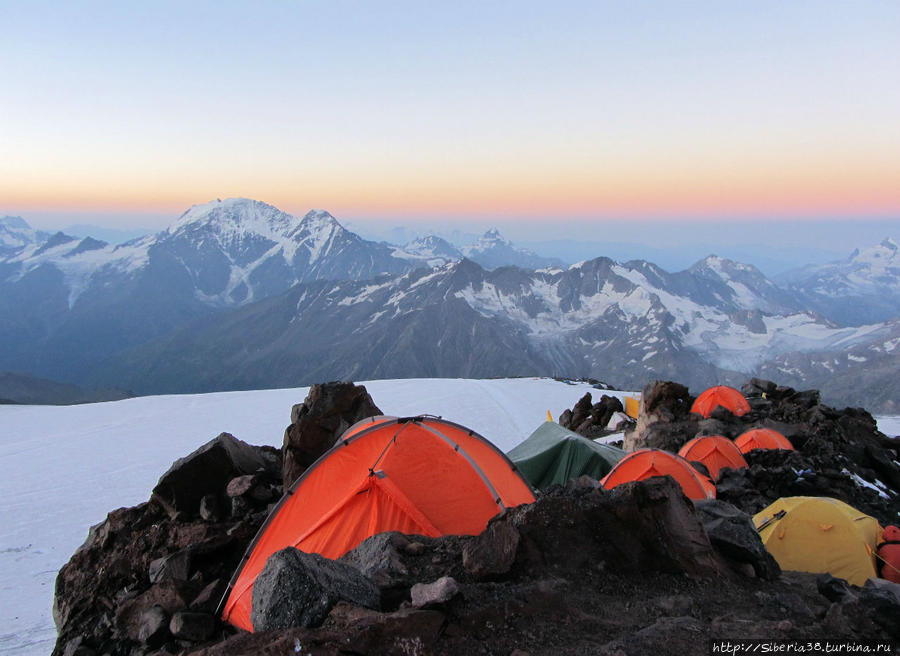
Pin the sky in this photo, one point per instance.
(508, 113)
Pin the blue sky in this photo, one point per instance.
(511, 113)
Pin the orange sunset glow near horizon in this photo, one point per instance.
(511, 112)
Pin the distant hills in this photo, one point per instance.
(28, 390)
(237, 294)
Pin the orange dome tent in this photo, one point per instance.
(646, 463)
(715, 452)
(721, 395)
(762, 438)
(417, 475)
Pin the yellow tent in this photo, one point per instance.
(820, 534)
(631, 406)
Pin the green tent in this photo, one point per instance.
(553, 454)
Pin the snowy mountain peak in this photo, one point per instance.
(435, 246)
(884, 254)
(722, 266)
(491, 238)
(319, 215)
(320, 220)
(492, 251)
(14, 223)
(16, 234)
(236, 215)
(861, 289)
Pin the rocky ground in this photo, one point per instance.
(582, 570)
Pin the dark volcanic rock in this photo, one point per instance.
(492, 553)
(773, 474)
(154, 626)
(299, 589)
(210, 509)
(883, 601)
(241, 485)
(396, 562)
(193, 626)
(381, 559)
(208, 470)
(834, 589)
(646, 526)
(176, 566)
(664, 419)
(328, 410)
(431, 594)
(732, 532)
(591, 419)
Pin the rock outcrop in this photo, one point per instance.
(593, 420)
(664, 419)
(300, 589)
(151, 576)
(328, 410)
(211, 467)
(580, 570)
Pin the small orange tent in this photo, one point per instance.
(418, 475)
(762, 438)
(646, 463)
(721, 395)
(715, 452)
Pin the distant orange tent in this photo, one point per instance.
(647, 463)
(417, 475)
(715, 452)
(762, 438)
(724, 396)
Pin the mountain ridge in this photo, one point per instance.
(69, 306)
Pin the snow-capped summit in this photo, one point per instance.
(14, 223)
(863, 288)
(433, 251)
(236, 216)
(492, 251)
(319, 218)
(239, 250)
(16, 234)
(742, 285)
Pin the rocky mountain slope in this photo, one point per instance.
(623, 323)
(634, 570)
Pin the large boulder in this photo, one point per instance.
(299, 589)
(664, 419)
(732, 533)
(316, 424)
(395, 562)
(882, 598)
(642, 526)
(208, 470)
